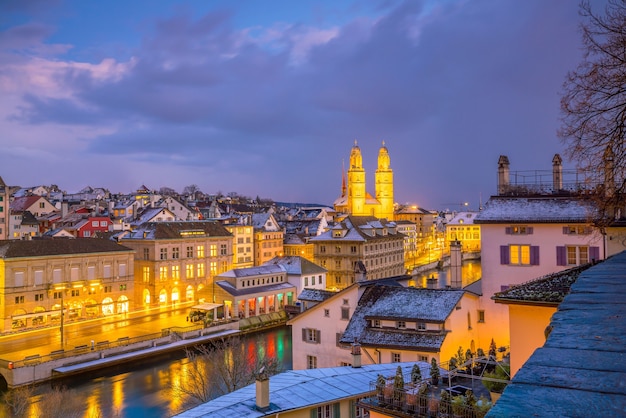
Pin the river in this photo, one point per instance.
(143, 389)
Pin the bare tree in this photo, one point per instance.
(61, 403)
(167, 191)
(192, 189)
(18, 401)
(593, 105)
(223, 367)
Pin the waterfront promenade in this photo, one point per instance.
(78, 347)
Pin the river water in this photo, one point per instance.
(143, 389)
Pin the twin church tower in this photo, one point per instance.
(355, 199)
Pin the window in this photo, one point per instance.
(213, 266)
(327, 313)
(163, 273)
(213, 250)
(189, 271)
(395, 357)
(327, 411)
(311, 335)
(95, 223)
(146, 274)
(337, 249)
(189, 252)
(223, 249)
(423, 358)
(311, 362)
(75, 292)
(200, 251)
(337, 264)
(519, 255)
(573, 255)
(306, 281)
(175, 253)
(421, 326)
(576, 230)
(345, 313)
(175, 272)
(481, 317)
(19, 299)
(376, 323)
(200, 270)
(146, 254)
(401, 325)
(57, 295)
(519, 230)
(322, 249)
(353, 249)
(163, 253)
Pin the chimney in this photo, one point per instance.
(456, 262)
(503, 174)
(356, 354)
(557, 173)
(64, 209)
(262, 391)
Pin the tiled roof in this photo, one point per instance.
(254, 271)
(274, 287)
(401, 303)
(549, 289)
(315, 295)
(172, 230)
(297, 265)
(53, 247)
(581, 369)
(536, 210)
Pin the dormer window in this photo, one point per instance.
(401, 325)
(376, 323)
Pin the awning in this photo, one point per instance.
(206, 306)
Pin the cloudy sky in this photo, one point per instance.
(267, 97)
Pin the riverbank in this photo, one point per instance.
(105, 354)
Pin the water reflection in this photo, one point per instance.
(144, 389)
(470, 272)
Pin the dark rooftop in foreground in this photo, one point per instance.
(581, 369)
(547, 290)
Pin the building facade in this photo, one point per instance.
(178, 261)
(88, 277)
(4, 210)
(357, 243)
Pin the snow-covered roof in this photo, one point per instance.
(296, 265)
(536, 210)
(274, 287)
(315, 295)
(550, 289)
(254, 271)
(401, 303)
(299, 389)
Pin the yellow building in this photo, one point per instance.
(89, 277)
(355, 200)
(175, 261)
(531, 306)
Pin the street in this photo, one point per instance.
(43, 341)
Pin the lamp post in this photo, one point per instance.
(62, 308)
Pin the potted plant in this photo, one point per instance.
(501, 373)
(458, 405)
(398, 388)
(416, 374)
(380, 386)
(445, 409)
(483, 405)
(434, 372)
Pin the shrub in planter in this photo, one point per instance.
(434, 372)
(445, 408)
(398, 387)
(458, 405)
(416, 374)
(501, 372)
(380, 386)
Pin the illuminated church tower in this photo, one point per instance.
(384, 184)
(355, 200)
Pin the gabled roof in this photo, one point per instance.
(297, 265)
(254, 271)
(501, 209)
(20, 204)
(274, 287)
(398, 303)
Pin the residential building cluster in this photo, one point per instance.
(343, 273)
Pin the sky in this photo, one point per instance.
(266, 98)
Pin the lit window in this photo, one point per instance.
(200, 251)
(311, 362)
